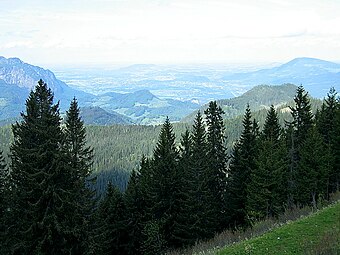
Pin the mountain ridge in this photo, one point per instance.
(17, 78)
(259, 97)
(316, 75)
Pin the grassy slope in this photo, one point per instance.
(306, 236)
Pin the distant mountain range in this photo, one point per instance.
(317, 76)
(140, 107)
(135, 104)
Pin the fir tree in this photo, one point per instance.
(336, 151)
(302, 115)
(40, 179)
(241, 167)
(163, 188)
(296, 134)
(265, 192)
(206, 220)
(217, 166)
(81, 198)
(326, 121)
(185, 226)
(312, 169)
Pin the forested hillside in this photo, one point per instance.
(189, 188)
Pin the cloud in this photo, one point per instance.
(158, 30)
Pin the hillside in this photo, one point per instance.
(143, 107)
(21, 77)
(259, 97)
(95, 115)
(121, 146)
(318, 233)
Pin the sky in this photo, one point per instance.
(105, 32)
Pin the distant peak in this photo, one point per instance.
(306, 60)
(15, 60)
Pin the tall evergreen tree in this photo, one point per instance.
(206, 221)
(312, 170)
(81, 199)
(296, 134)
(326, 121)
(40, 177)
(336, 151)
(241, 166)
(302, 115)
(265, 192)
(216, 174)
(189, 225)
(164, 186)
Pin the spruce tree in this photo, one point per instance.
(336, 151)
(265, 192)
(185, 231)
(302, 115)
(206, 221)
(81, 199)
(241, 167)
(40, 179)
(217, 166)
(163, 188)
(312, 170)
(326, 121)
(296, 134)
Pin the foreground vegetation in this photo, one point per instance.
(318, 233)
(235, 240)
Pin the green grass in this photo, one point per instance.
(318, 233)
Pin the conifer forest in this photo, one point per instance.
(189, 189)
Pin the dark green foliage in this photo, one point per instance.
(81, 200)
(40, 176)
(216, 175)
(327, 121)
(205, 222)
(241, 167)
(180, 195)
(4, 200)
(164, 186)
(296, 133)
(335, 175)
(119, 178)
(302, 115)
(184, 229)
(312, 170)
(266, 190)
(159, 186)
(135, 205)
(111, 236)
(154, 241)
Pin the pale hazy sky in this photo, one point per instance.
(76, 32)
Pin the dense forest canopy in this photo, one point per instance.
(214, 176)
